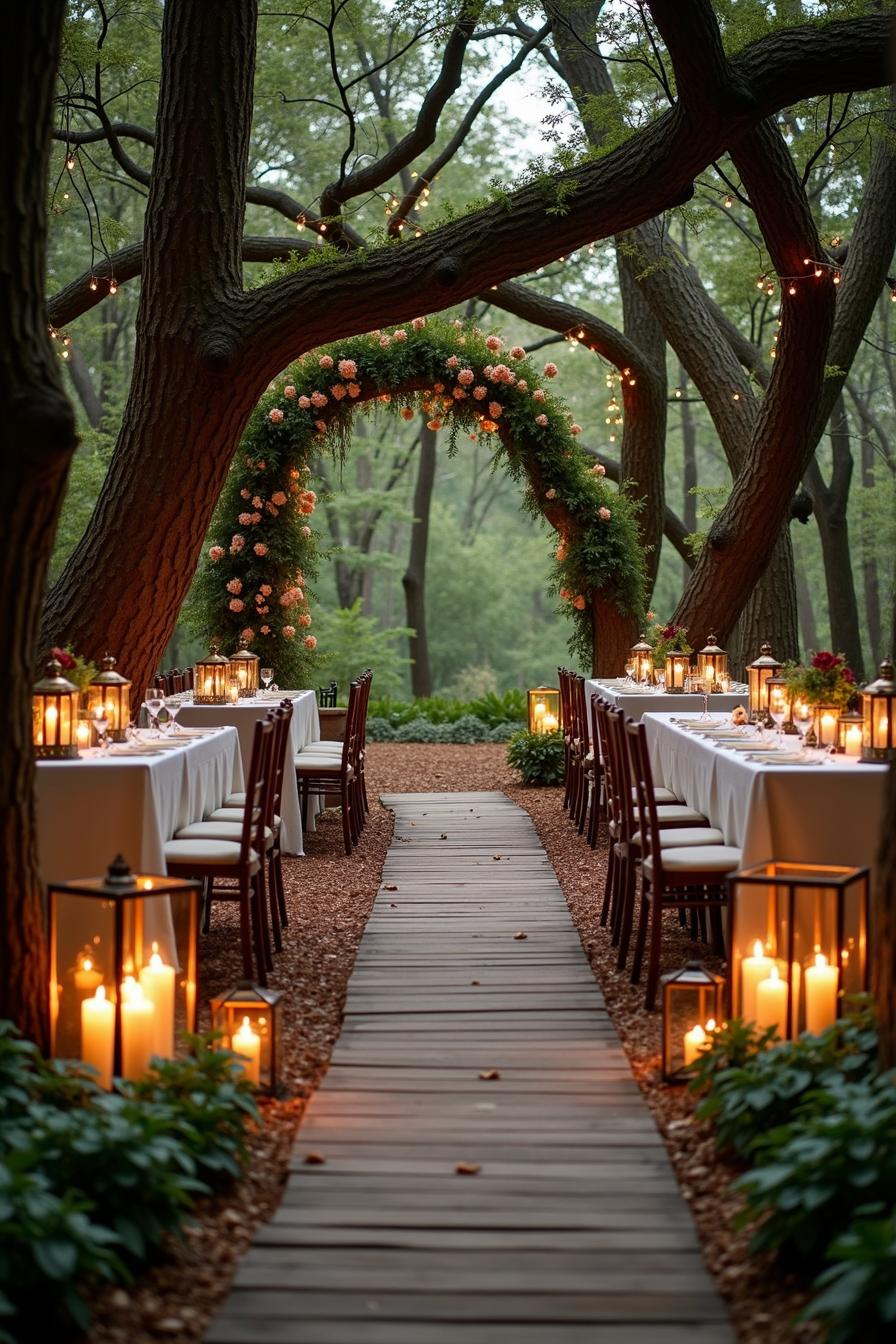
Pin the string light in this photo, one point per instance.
(70, 161)
(300, 223)
(93, 283)
(113, 286)
(728, 202)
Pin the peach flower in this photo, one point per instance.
(235, 586)
(400, 335)
(318, 400)
(306, 531)
(604, 515)
(304, 402)
(304, 620)
(259, 548)
(216, 553)
(275, 416)
(288, 631)
(265, 629)
(326, 361)
(480, 392)
(278, 498)
(494, 343)
(517, 352)
(550, 494)
(236, 604)
(407, 413)
(579, 602)
(541, 419)
(289, 392)
(599, 469)
(310, 642)
(551, 370)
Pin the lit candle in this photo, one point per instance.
(828, 729)
(51, 719)
(771, 1001)
(550, 723)
(695, 1040)
(752, 970)
(709, 677)
(247, 1043)
(82, 733)
(98, 1035)
(157, 980)
(853, 744)
(233, 691)
(87, 977)
(539, 708)
(137, 1029)
(207, 686)
(821, 995)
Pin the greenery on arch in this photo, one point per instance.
(262, 546)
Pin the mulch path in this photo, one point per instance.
(329, 896)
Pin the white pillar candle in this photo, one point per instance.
(87, 977)
(137, 1029)
(752, 970)
(82, 734)
(694, 1041)
(247, 1043)
(853, 744)
(550, 723)
(827, 730)
(98, 1035)
(157, 981)
(821, 995)
(771, 1001)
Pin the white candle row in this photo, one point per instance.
(764, 991)
(147, 1020)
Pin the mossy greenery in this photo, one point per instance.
(262, 546)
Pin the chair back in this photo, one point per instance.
(367, 678)
(252, 834)
(583, 728)
(642, 781)
(619, 786)
(352, 720)
(282, 737)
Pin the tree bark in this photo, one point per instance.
(414, 578)
(770, 614)
(806, 610)
(689, 473)
(37, 450)
(613, 636)
(870, 578)
(83, 385)
(830, 503)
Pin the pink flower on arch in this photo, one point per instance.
(418, 323)
(245, 519)
(288, 631)
(561, 553)
(260, 548)
(452, 362)
(325, 362)
(248, 634)
(236, 543)
(265, 590)
(550, 494)
(254, 518)
(539, 394)
(275, 416)
(320, 426)
(216, 553)
(236, 604)
(551, 370)
(304, 620)
(459, 394)
(434, 424)
(318, 400)
(480, 392)
(400, 335)
(235, 586)
(579, 602)
(575, 429)
(338, 391)
(465, 377)
(541, 420)
(244, 493)
(522, 385)
(306, 531)
(256, 503)
(347, 368)
(407, 412)
(494, 343)
(278, 498)
(599, 469)
(494, 409)
(354, 390)
(385, 342)
(289, 392)
(304, 403)
(265, 629)
(310, 642)
(517, 352)
(604, 515)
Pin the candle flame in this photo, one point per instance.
(711, 1024)
(698, 1034)
(758, 948)
(100, 993)
(820, 959)
(86, 964)
(156, 961)
(774, 974)
(147, 884)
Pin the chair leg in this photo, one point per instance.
(346, 817)
(207, 888)
(645, 914)
(256, 910)
(718, 935)
(277, 865)
(274, 907)
(246, 927)
(653, 963)
(608, 885)
(626, 915)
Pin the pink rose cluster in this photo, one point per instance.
(216, 553)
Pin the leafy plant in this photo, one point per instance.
(539, 757)
(857, 1301)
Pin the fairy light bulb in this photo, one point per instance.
(769, 289)
(93, 284)
(818, 272)
(791, 289)
(728, 202)
(113, 286)
(300, 223)
(837, 277)
(70, 162)
(735, 396)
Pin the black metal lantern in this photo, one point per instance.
(641, 654)
(110, 693)
(244, 665)
(544, 709)
(678, 669)
(249, 1019)
(712, 664)
(758, 673)
(878, 706)
(849, 733)
(210, 678)
(693, 1001)
(798, 934)
(122, 968)
(54, 712)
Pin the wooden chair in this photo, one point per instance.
(241, 862)
(563, 676)
(686, 878)
(325, 772)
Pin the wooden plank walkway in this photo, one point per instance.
(573, 1231)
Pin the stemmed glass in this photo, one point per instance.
(630, 672)
(660, 679)
(267, 676)
(153, 702)
(173, 706)
(100, 723)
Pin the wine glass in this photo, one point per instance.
(267, 676)
(630, 672)
(152, 703)
(659, 677)
(100, 721)
(173, 706)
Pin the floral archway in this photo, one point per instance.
(262, 545)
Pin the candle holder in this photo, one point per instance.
(210, 677)
(758, 673)
(234, 690)
(692, 1009)
(878, 707)
(244, 665)
(678, 669)
(544, 709)
(249, 1012)
(712, 664)
(122, 968)
(776, 697)
(849, 733)
(798, 938)
(824, 724)
(641, 654)
(55, 702)
(111, 692)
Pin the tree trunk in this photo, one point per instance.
(806, 610)
(83, 385)
(689, 474)
(414, 578)
(38, 447)
(830, 503)
(770, 614)
(870, 579)
(613, 636)
(883, 941)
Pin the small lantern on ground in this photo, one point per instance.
(249, 1019)
(210, 677)
(122, 968)
(678, 668)
(244, 665)
(692, 1010)
(54, 711)
(544, 710)
(878, 707)
(849, 733)
(712, 664)
(798, 938)
(641, 654)
(758, 673)
(110, 692)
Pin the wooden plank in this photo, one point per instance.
(574, 1229)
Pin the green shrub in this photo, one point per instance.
(490, 709)
(539, 757)
(857, 1301)
(816, 1173)
(468, 728)
(503, 732)
(380, 729)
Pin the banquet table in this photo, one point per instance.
(829, 812)
(130, 801)
(636, 700)
(243, 717)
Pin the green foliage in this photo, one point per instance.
(91, 1182)
(85, 478)
(491, 710)
(857, 1301)
(827, 680)
(539, 757)
(353, 641)
(753, 1089)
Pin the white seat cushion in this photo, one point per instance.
(668, 812)
(660, 795)
(715, 859)
(321, 765)
(235, 800)
(202, 851)
(687, 835)
(231, 814)
(216, 830)
(323, 748)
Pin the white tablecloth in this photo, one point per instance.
(91, 809)
(829, 813)
(636, 702)
(243, 717)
